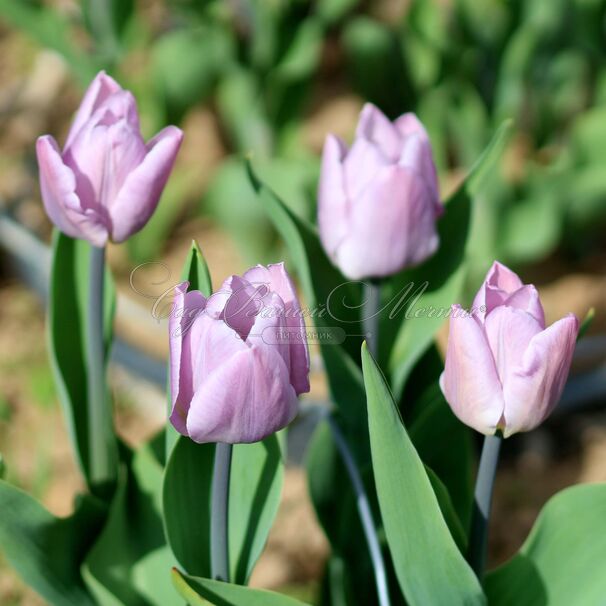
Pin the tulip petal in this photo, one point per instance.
(237, 303)
(276, 276)
(141, 191)
(332, 199)
(470, 382)
(375, 127)
(408, 125)
(527, 299)
(62, 204)
(509, 331)
(99, 90)
(499, 284)
(393, 222)
(244, 400)
(416, 155)
(102, 157)
(361, 165)
(184, 330)
(533, 389)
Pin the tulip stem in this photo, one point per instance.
(101, 468)
(370, 315)
(219, 559)
(482, 503)
(370, 530)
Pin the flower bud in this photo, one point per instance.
(106, 183)
(378, 201)
(239, 359)
(504, 369)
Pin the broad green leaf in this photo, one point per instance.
(562, 561)
(67, 309)
(448, 511)
(47, 551)
(444, 273)
(255, 488)
(256, 481)
(428, 564)
(51, 30)
(442, 441)
(130, 563)
(200, 592)
(186, 496)
(196, 272)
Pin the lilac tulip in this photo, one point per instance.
(378, 201)
(107, 181)
(504, 369)
(239, 359)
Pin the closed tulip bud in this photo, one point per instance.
(378, 201)
(107, 181)
(239, 359)
(504, 369)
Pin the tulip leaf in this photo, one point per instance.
(47, 551)
(67, 309)
(443, 274)
(255, 488)
(130, 562)
(561, 561)
(324, 289)
(427, 562)
(196, 272)
(200, 592)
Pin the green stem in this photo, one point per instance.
(370, 315)
(219, 537)
(101, 464)
(482, 503)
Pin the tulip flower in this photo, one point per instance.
(107, 181)
(239, 359)
(378, 201)
(504, 369)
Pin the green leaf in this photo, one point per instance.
(256, 484)
(47, 551)
(199, 592)
(428, 564)
(257, 476)
(444, 272)
(130, 563)
(67, 309)
(196, 272)
(560, 562)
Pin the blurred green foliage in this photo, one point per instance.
(462, 65)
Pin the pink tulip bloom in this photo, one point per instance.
(106, 183)
(378, 201)
(239, 359)
(504, 369)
